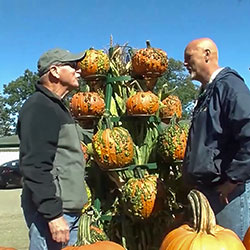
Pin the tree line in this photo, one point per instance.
(16, 92)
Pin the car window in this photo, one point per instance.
(11, 164)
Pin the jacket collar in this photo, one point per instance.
(47, 92)
(216, 72)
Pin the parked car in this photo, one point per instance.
(10, 174)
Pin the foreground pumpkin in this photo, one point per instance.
(172, 142)
(142, 197)
(246, 240)
(142, 103)
(112, 148)
(204, 233)
(95, 62)
(100, 245)
(172, 106)
(86, 103)
(7, 248)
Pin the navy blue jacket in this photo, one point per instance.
(218, 147)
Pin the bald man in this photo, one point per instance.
(217, 159)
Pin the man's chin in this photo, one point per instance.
(73, 87)
(193, 76)
(76, 85)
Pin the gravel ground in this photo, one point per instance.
(13, 230)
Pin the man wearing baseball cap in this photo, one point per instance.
(51, 159)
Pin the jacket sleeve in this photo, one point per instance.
(38, 131)
(239, 122)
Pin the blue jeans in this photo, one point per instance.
(39, 233)
(236, 214)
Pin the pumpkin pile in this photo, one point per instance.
(142, 103)
(135, 198)
(86, 103)
(142, 197)
(172, 142)
(204, 233)
(172, 106)
(112, 148)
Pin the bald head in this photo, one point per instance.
(204, 44)
(201, 59)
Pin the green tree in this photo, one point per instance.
(179, 83)
(15, 93)
(5, 120)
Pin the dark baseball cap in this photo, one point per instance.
(55, 56)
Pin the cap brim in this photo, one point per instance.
(74, 57)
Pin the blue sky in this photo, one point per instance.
(30, 27)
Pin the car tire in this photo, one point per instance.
(2, 183)
(21, 182)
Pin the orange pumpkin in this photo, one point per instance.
(142, 103)
(95, 62)
(172, 142)
(204, 233)
(142, 197)
(172, 106)
(112, 148)
(100, 245)
(7, 248)
(86, 103)
(149, 63)
(246, 240)
(149, 60)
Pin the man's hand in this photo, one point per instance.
(224, 190)
(59, 230)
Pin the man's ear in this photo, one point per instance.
(207, 55)
(54, 71)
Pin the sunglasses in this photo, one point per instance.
(73, 65)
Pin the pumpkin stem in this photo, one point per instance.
(111, 41)
(148, 44)
(139, 172)
(83, 235)
(105, 121)
(204, 218)
(173, 121)
(138, 85)
(167, 93)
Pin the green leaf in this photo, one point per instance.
(113, 109)
(121, 103)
